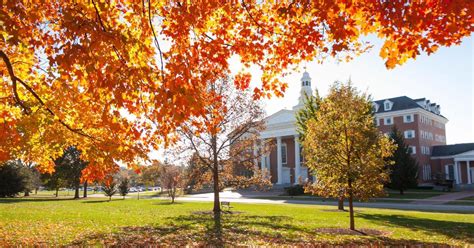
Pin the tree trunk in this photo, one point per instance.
(27, 193)
(340, 203)
(85, 189)
(110, 197)
(76, 192)
(351, 207)
(217, 203)
(36, 191)
(57, 191)
(401, 191)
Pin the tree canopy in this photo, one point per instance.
(118, 77)
(344, 148)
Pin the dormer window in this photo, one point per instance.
(387, 105)
(305, 83)
(375, 107)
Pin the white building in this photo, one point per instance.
(285, 163)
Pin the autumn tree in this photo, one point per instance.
(171, 178)
(403, 167)
(344, 148)
(224, 139)
(150, 175)
(117, 77)
(124, 186)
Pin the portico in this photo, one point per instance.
(285, 162)
(457, 163)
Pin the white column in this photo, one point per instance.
(263, 163)
(446, 171)
(468, 168)
(279, 164)
(297, 160)
(456, 172)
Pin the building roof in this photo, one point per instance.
(451, 150)
(404, 102)
(399, 103)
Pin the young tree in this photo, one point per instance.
(404, 172)
(110, 188)
(150, 175)
(344, 148)
(124, 187)
(102, 61)
(171, 177)
(224, 139)
(308, 112)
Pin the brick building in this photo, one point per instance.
(420, 121)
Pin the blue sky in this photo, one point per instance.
(445, 77)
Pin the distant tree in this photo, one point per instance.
(171, 177)
(69, 168)
(124, 187)
(31, 177)
(150, 175)
(12, 178)
(345, 149)
(110, 188)
(404, 172)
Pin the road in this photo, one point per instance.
(259, 198)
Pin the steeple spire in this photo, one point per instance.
(305, 89)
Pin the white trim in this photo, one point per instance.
(412, 118)
(388, 118)
(407, 133)
(417, 110)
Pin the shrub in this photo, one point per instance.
(295, 190)
(12, 179)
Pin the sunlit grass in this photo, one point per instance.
(98, 221)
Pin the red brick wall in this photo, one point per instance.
(418, 141)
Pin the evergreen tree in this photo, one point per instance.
(12, 179)
(69, 169)
(110, 188)
(124, 187)
(404, 171)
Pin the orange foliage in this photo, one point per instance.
(116, 78)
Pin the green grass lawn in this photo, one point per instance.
(46, 221)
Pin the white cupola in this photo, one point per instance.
(305, 90)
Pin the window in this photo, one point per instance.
(450, 172)
(375, 107)
(377, 122)
(412, 149)
(425, 150)
(388, 121)
(409, 134)
(408, 118)
(283, 154)
(426, 172)
(387, 105)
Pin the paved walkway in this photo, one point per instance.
(444, 198)
(253, 197)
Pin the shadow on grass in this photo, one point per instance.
(167, 203)
(231, 229)
(455, 230)
(33, 199)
